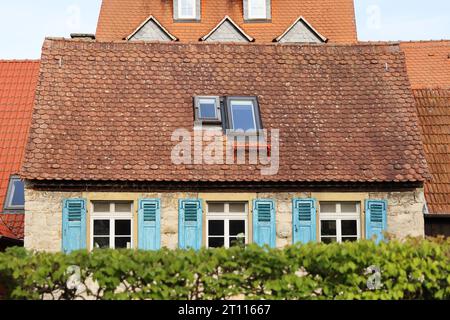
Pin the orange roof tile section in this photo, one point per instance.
(335, 19)
(18, 81)
(433, 107)
(428, 63)
(343, 116)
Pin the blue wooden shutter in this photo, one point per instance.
(149, 222)
(304, 220)
(264, 231)
(74, 225)
(190, 224)
(376, 219)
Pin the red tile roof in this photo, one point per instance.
(106, 111)
(12, 225)
(433, 107)
(18, 81)
(428, 63)
(335, 19)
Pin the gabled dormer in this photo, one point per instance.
(151, 30)
(227, 31)
(301, 31)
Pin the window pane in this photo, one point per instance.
(101, 227)
(216, 207)
(123, 206)
(242, 115)
(187, 8)
(101, 242)
(349, 239)
(216, 227)
(327, 207)
(123, 227)
(216, 242)
(328, 227)
(349, 227)
(207, 108)
(101, 207)
(237, 227)
(349, 207)
(18, 193)
(122, 243)
(237, 207)
(257, 9)
(328, 240)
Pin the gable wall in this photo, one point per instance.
(151, 32)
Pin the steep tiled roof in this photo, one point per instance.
(106, 111)
(335, 19)
(428, 63)
(433, 107)
(17, 87)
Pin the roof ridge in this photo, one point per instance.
(20, 60)
(228, 44)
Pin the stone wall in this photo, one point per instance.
(43, 219)
(43, 214)
(405, 212)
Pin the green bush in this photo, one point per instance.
(415, 269)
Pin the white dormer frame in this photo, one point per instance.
(152, 18)
(227, 18)
(302, 19)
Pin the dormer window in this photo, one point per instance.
(257, 9)
(186, 9)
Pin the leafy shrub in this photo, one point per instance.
(414, 269)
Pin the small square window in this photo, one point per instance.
(207, 110)
(243, 114)
(15, 196)
(257, 9)
(186, 9)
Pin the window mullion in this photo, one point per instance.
(227, 232)
(112, 232)
(338, 230)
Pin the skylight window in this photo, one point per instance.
(207, 110)
(243, 114)
(15, 196)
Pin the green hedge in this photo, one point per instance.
(411, 270)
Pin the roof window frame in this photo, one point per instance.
(197, 112)
(8, 207)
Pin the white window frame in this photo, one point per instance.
(112, 216)
(194, 10)
(340, 216)
(226, 216)
(250, 10)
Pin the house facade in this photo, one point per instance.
(151, 144)
(190, 123)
